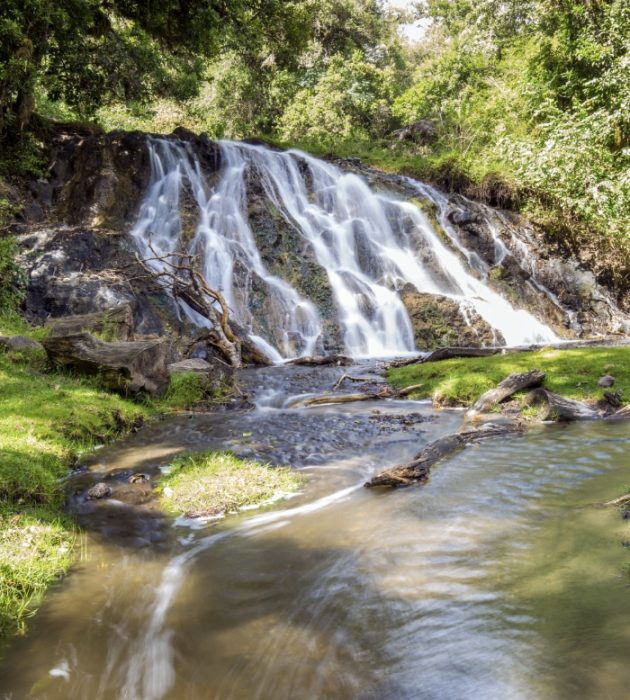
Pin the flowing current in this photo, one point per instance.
(500, 579)
(370, 245)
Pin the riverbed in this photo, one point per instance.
(501, 577)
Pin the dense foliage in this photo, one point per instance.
(534, 94)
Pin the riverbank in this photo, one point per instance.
(572, 373)
(48, 421)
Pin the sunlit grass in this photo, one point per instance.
(571, 373)
(211, 483)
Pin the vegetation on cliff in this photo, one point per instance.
(527, 103)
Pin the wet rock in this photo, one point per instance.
(20, 343)
(606, 381)
(126, 367)
(438, 321)
(98, 491)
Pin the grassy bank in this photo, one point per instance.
(47, 421)
(571, 373)
(208, 484)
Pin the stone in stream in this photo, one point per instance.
(98, 491)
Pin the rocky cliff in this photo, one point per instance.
(80, 258)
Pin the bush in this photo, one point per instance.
(12, 277)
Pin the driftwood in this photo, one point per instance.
(621, 501)
(350, 378)
(323, 399)
(318, 360)
(447, 354)
(558, 408)
(126, 367)
(417, 471)
(622, 413)
(179, 274)
(509, 386)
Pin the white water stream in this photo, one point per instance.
(370, 245)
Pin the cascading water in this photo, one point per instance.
(370, 245)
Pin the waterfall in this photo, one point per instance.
(370, 245)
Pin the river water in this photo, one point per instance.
(500, 578)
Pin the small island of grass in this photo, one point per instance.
(207, 484)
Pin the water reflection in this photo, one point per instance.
(498, 579)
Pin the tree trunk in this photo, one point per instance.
(557, 408)
(417, 471)
(509, 386)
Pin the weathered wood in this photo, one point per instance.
(417, 471)
(509, 386)
(385, 393)
(179, 274)
(621, 501)
(126, 367)
(408, 390)
(324, 399)
(557, 408)
(446, 354)
(317, 360)
(621, 414)
(115, 323)
(350, 378)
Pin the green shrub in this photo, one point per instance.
(12, 277)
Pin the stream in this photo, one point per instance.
(500, 578)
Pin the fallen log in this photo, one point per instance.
(317, 360)
(350, 378)
(446, 354)
(557, 408)
(417, 471)
(621, 414)
(509, 386)
(621, 501)
(323, 399)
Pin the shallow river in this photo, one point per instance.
(501, 578)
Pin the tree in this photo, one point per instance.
(89, 52)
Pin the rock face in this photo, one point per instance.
(438, 321)
(126, 367)
(83, 272)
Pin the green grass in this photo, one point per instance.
(36, 547)
(571, 373)
(211, 483)
(47, 421)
